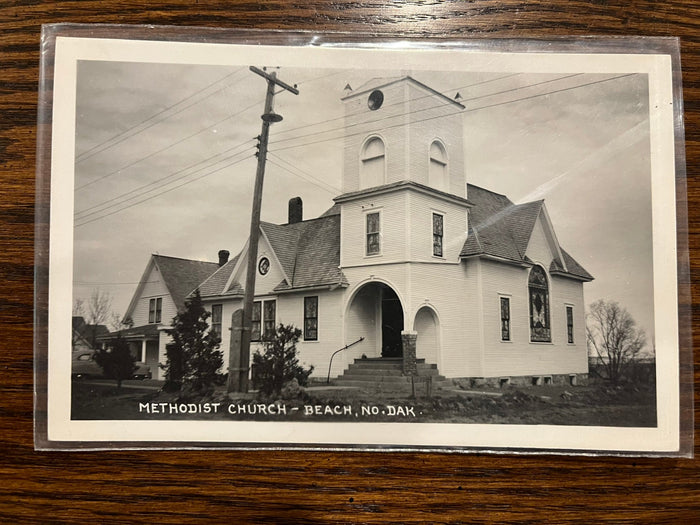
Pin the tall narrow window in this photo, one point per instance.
(505, 319)
(540, 330)
(255, 321)
(311, 318)
(437, 234)
(155, 309)
(570, 324)
(373, 246)
(269, 308)
(372, 163)
(216, 311)
(437, 174)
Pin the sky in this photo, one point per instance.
(164, 163)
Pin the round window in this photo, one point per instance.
(375, 100)
(263, 265)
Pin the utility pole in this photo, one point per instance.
(238, 365)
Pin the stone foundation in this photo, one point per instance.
(534, 380)
(409, 353)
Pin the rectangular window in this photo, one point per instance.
(255, 321)
(216, 311)
(269, 308)
(155, 307)
(262, 319)
(311, 318)
(505, 319)
(373, 230)
(437, 234)
(570, 324)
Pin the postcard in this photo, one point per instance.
(402, 246)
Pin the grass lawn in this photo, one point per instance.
(596, 404)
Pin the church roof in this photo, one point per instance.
(214, 284)
(309, 252)
(182, 276)
(500, 228)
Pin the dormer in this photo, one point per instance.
(402, 130)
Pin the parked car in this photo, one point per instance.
(84, 366)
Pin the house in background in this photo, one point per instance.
(86, 338)
(160, 295)
(413, 259)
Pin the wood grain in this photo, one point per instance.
(313, 487)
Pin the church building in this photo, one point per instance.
(412, 261)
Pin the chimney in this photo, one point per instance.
(295, 210)
(223, 257)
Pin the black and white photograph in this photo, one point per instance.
(379, 246)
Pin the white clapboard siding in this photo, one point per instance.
(153, 287)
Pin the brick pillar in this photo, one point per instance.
(408, 340)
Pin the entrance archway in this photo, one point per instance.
(375, 313)
(426, 325)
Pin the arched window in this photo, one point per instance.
(540, 328)
(372, 167)
(437, 171)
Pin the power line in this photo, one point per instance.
(163, 192)
(91, 152)
(402, 115)
(303, 175)
(297, 165)
(553, 92)
(391, 105)
(202, 130)
(111, 200)
(467, 110)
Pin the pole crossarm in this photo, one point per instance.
(274, 80)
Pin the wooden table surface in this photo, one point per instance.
(307, 487)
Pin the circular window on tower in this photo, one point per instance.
(263, 265)
(375, 100)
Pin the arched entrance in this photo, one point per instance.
(375, 313)
(426, 325)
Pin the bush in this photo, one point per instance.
(278, 363)
(192, 358)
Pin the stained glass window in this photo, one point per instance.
(540, 329)
(255, 322)
(373, 232)
(269, 308)
(505, 319)
(311, 318)
(570, 324)
(216, 310)
(437, 234)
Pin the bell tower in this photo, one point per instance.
(404, 185)
(402, 130)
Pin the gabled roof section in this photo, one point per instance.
(183, 276)
(497, 226)
(379, 83)
(573, 268)
(86, 331)
(502, 229)
(309, 252)
(215, 283)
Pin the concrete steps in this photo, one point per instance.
(385, 374)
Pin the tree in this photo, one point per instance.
(613, 336)
(278, 363)
(192, 358)
(96, 312)
(116, 360)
